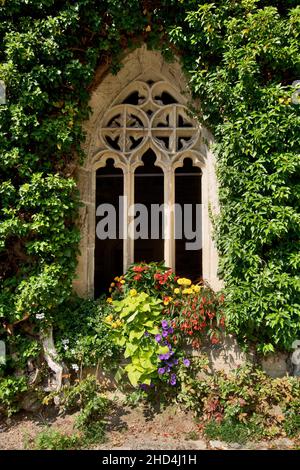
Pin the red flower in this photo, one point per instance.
(139, 269)
(137, 277)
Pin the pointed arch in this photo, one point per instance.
(144, 106)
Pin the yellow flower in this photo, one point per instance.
(183, 281)
(114, 325)
(122, 281)
(132, 292)
(119, 323)
(167, 300)
(109, 318)
(109, 300)
(116, 279)
(110, 289)
(196, 288)
(176, 290)
(187, 291)
(112, 284)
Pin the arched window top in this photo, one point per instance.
(149, 114)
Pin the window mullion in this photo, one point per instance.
(169, 220)
(128, 242)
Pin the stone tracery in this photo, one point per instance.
(150, 111)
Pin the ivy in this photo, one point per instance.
(241, 58)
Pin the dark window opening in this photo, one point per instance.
(182, 142)
(149, 189)
(182, 122)
(115, 121)
(149, 112)
(165, 123)
(134, 142)
(108, 252)
(165, 98)
(114, 143)
(188, 262)
(133, 98)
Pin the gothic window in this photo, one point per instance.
(152, 139)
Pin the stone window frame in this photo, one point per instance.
(141, 67)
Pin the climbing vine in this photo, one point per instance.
(241, 58)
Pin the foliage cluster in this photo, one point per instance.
(11, 390)
(50, 439)
(85, 396)
(135, 326)
(82, 337)
(241, 58)
(247, 399)
(196, 313)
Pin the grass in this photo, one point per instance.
(230, 431)
(49, 439)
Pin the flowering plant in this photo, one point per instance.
(154, 278)
(155, 314)
(172, 358)
(135, 322)
(195, 312)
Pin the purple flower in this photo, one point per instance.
(143, 387)
(186, 362)
(164, 324)
(146, 334)
(161, 370)
(158, 338)
(173, 379)
(175, 362)
(170, 330)
(165, 333)
(164, 357)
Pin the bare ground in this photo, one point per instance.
(127, 429)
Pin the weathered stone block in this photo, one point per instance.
(276, 365)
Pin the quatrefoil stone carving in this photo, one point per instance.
(149, 111)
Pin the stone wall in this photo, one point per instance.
(228, 355)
